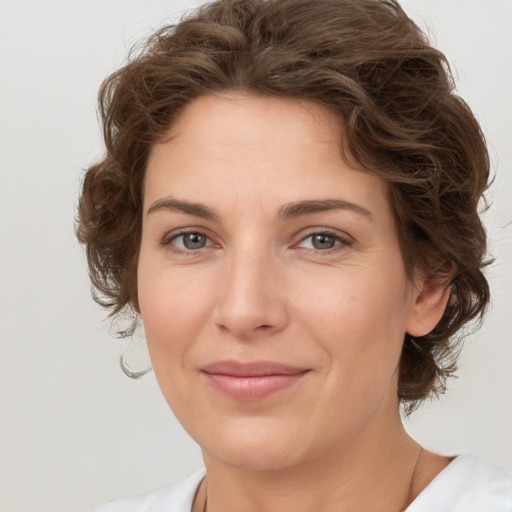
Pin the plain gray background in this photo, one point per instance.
(74, 431)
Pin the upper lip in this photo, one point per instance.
(251, 369)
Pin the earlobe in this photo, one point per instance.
(428, 308)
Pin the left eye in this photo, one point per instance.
(320, 241)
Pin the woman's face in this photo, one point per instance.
(271, 284)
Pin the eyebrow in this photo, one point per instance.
(309, 207)
(290, 210)
(175, 205)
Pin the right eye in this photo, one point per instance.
(189, 241)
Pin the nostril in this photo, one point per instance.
(245, 314)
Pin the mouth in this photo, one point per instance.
(251, 381)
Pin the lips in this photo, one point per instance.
(251, 381)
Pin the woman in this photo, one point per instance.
(289, 203)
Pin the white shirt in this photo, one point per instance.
(467, 484)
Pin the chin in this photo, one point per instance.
(253, 445)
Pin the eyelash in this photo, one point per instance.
(341, 242)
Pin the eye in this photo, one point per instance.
(323, 241)
(190, 241)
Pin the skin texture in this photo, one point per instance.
(261, 290)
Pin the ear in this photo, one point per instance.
(429, 304)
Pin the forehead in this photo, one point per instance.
(226, 124)
(261, 148)
(247, 109)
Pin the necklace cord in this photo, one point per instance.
(402, 509)
(409, 497)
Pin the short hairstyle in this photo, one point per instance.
(364, 60)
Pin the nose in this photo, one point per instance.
(251, 301)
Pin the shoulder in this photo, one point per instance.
(177, 497)
(468, 484)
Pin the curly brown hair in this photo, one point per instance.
(363, 59)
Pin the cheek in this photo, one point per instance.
(172, 320)
(360, 320)
(173, 312)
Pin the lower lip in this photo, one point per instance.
(251, 388)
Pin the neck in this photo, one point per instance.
(372, 472)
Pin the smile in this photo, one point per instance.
(251, 381)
